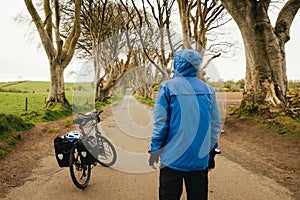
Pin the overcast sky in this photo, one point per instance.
(20, 59)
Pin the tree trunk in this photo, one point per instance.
(97, 69)
(145, 91)
(57, 90)
(103, 94)
(266, 80)
(185, 23)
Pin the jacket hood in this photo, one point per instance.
(186, 62)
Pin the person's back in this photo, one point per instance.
(186, 117)
(188, 140)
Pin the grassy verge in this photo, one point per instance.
(144, 100)
(280, 124)
(10, 127)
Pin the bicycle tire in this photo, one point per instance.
(80, 173)
(108, 158)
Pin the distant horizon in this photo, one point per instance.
(11, 81)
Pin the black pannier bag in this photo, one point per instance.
(87, 149)
(62, 151)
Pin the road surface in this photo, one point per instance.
(129, 128)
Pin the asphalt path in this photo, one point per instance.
(129, 128)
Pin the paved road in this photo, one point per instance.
(131, 178)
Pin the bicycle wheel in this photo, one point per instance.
(80, 173)
(107, 153)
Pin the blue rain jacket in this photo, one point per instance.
(186, 117)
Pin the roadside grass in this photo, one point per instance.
(6, 122)
(145, 100)
(68, 122)
(280, 124)
(9, 141)
(284, 125)
(10, 127)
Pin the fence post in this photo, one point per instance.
(26, 103)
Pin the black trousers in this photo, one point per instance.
(171, 183)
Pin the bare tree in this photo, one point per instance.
(199, 21)
(153, 29)
(143, 77)
(266, 79)
(59, 52)
(108, 39)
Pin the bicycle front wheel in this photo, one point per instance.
(80, 173)
(107, 153)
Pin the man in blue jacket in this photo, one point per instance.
(186, 129)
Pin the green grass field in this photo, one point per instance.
(30, 86)
(13, 95)
(14, 103)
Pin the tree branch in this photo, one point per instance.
(48, 20)
(285, 19)
(72, 38)
(57, 30)
(46, 41)
(203, 67)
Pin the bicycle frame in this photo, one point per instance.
(105, 151)
(94, 126)
(94, 121)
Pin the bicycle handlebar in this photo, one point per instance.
(87, 117)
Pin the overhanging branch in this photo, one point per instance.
(203, 67)
(285, 19)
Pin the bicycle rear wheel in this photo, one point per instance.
(80, 173)
(107, 153)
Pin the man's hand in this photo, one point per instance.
(154, 157)
(211, 161)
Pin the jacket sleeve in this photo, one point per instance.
(161, 117)
(215, 122)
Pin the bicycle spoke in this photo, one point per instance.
(80, 173)
(107, 153)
